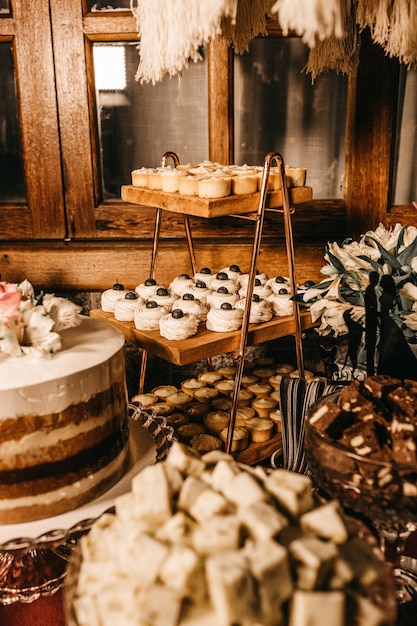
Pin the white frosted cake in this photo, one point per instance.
(63, 423)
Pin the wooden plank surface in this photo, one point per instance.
(205, 343)
(215, 207)
(257, 452)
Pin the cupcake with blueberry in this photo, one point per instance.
(260, 310)
(109, 297)
(244, 278)
(125, 308)
(180, 285)
(233, 272)
(188, 304)
(205, 275)
(147, 315)
(224, 319)
(178, 325)
(222, 280)
(199, 290)
(163, 298)
(147, 289)
(281, 302)
(261, 290)
(278, 282)
(215, 299)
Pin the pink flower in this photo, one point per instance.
(10, 299)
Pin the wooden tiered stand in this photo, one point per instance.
(206, 344)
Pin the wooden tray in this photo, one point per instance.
(204, 207)
(205, 343)
(257, 452)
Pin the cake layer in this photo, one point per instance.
(29, 440)
(54, 500)
(92, 357)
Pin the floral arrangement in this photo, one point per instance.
(385, 251)
(30, 323)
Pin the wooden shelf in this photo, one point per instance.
(205, 207)
(205, 343)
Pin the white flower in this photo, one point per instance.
(330, 312)
(388, 238)
(411, 321)
(410, 234)
(409, 290)
(63, 312)
(26, 289)
(9, 342)
(347, 255)
(37, 326)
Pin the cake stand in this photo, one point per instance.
(34, 555)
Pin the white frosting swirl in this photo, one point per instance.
(263, 291)
(180, 285)
(205, 278)
(276, 286)
(224, 320)
(259, 311)
(216, 299)
(281, 304)
(199, 293)
(230, 284)
(178, 328)
(148, 319)
(194, 307)
(244, 278)
(231, 273)
(110, 297)
(124, 311)
(146, 292)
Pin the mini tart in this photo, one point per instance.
(191, 385)
(275, 416)
(196, 410)
(296, 374)
(284, 369)
(243, 414)
(275, 381)
(228, 371)
(215, 187)
(188, 185)
(242, 184)
(216, 421)
(163, 408)
(245, 397)
(177, 418)
(260, 429)
(240, 438)
(205, 394)
(264, 373)
(263, 406)
(260, 390)
(179, 399)
(145, 399)
(221, 403)
(205, 443)
(209, 378)
(225, 386)
(154, 179)
(249, 379)
(265, 361)
(140, 177)
(164, 391)
(276, 395)
(187, 431)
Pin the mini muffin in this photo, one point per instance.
(163, 408)
(205, 443)
(205, 394)
(209, 378)
(222, 403)
(215, 421)
(240, 438)
(196, 410)
(264, 373)
(265, 361)
(263, 406)
(187, 431)
(276, 395)
(177, 418)
(275, 416)
(228, 371)
(296, 374)
(164, 391)
(146, 400)
(275, 381)
(191, 385)
(179, 399)
(249, 379)
(243, 414)
(284, 369)
(245, 397)
(260, 390)
(225, 386)
(260, 429)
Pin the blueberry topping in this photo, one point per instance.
(184, 277)
(150, 281)
(151, 304)
(280, 279)
(234, 268)
(131, 295)
(282, 291)
(226, 306)
(257, 282)
(188, 296)
(222, 276)
(177, 314)
(118, 287)
(309, 283)
(222, 290)
(256, 297)
(201, 285)
(161, 291)
(205, 270)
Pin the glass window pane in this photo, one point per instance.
(405, 176)
(4, 7)
(278, 109)
(139, 123)
(108, 5)
(12, 182)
